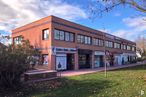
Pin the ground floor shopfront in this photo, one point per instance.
(74, 59)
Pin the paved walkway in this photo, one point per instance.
(86, 71)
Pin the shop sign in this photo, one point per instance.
(62, 49)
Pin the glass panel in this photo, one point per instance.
(61, 35)
(79, 38)
(89, 40)
(67, 36)
(45, 59)
(45, 34)
(56, 32)
(71, 37)
(86, 40)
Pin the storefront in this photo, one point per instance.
(84, 58)
(118, 59)
(64, 58)
(98, 59)
(128, 57)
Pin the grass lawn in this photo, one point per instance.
(126, 82)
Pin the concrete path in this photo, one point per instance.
(86, 71)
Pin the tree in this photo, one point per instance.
(101, 6)
(141, 46)
(15, 60)
(4, 38)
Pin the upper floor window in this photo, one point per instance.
(133, 48)
(84, 39)
(108, 44)
(63, 35)
(117, 45)
(45, 34)
(18, 40)
(124, 47)
(98, 42)
(128, 47)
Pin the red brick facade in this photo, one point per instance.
(77, 50)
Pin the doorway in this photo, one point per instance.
(98, 59)
(70, 61)
(84, 58)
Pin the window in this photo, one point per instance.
(117, 45)
(128, 47)
(18, 40)
(89, 40)
(98, 42)
(124, 47)
(108, 44)
(67, 36)
(84, 39)
(62, 35)
(45, 59)
(72, 37)
(57, 35)
(45, 33)
(133, 48)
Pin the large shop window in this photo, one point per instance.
(45, 34)
(18, 40)
(45, 59)
(64, 35)
(84, 39)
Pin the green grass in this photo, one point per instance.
(126, 82)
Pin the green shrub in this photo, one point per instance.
(14, 61)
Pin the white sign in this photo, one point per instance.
(99, 53)
(62, 49)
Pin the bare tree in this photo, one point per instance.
(100, 6)
(141, 45)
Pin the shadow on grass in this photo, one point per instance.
(64, 88)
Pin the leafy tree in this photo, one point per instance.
(14, 61)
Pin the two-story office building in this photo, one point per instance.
(65, 45)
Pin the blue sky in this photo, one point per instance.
(122, 21)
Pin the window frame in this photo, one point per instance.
(44, 33)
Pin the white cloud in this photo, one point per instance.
(135, 27)
(126, 34)
(15, 13)
(138, 24)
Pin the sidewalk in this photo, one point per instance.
(86, 71)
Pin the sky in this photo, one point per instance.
(122, 21)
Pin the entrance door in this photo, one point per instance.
(84, 58)
(70, 61)
(84, 61)
(98, 61)
(61, 62)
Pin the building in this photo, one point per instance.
(65, 45)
